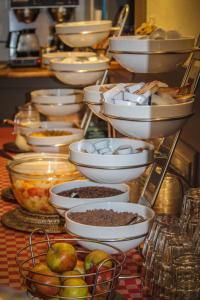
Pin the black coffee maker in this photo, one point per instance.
(24, 48)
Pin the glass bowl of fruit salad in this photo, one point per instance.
(31, 178)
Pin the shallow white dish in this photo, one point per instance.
(136, 232)
(111, 168)
(62, 203)
(83, 34)
(57, 102)
(54, 143)
(148, 121)
(142, 55)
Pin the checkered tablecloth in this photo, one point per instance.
(11, 241)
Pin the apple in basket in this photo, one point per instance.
(80, 267)
(61, 257)
(75, 288)
(46, 283)
(95, 257)
(93, 263)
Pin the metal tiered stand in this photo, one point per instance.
(166, 149)
(148, 198)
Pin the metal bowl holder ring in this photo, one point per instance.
(26, 264)
(88, 113)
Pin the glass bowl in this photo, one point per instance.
(31, 179)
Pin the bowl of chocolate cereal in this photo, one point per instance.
(120, 224)
(67, 195)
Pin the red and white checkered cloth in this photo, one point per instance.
(12, 241)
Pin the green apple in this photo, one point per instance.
(75, 288)
(61, 257)
(95, 257)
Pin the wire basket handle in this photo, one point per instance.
(37, 230)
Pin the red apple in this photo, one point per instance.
(103, 279)
(95, 257)
(47, 283)
(80, 266)
(38, 268)
(75, 288)
(61, 257)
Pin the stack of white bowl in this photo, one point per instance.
(57, 102)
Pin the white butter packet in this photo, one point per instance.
(124, 149)
(101, 145)
(114, 91)
(137, 99)
(135, 87)
(89, 148)
(119, 96)
(105, 151)
(122, 102)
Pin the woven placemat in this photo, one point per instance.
(22, 220)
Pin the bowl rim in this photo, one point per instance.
(90, 183)
(83, 23)
(146, 120)
(57, 157)
(111, 167)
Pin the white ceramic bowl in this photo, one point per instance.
(136, 232)
(62, 203)
(111, 168)
(79, 73)
(79, 78)
(54, 143)
(83, 34)
(150, 55)
(147, 122)
(57, 102)
(47, 57)
(94, 99)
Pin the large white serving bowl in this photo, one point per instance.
(134, 234)
(79, 73)
(144, 55)
(147, 121)
(93, 96)
(57, 102)
(62, 203)
(55, 144)
(83, 34)
(47, 57)
(111, 168)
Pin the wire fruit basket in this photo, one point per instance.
(99, 284)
